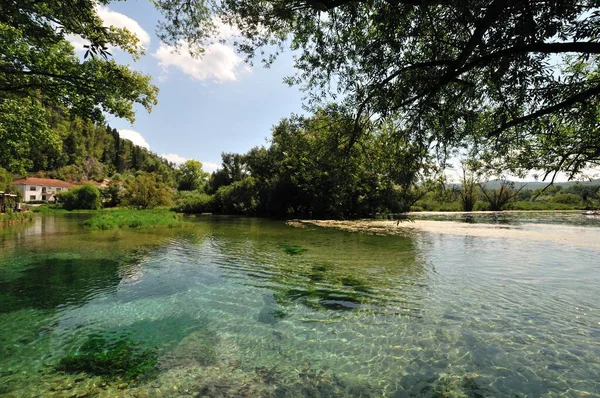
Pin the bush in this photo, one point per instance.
(145, 191)
(567, 198)
(241, 197)
(86, 197)
(194, 203)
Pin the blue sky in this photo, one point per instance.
(206, 106)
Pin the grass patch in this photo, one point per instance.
(56, 209)
(293, 250)
(528, 205)
(13, 218)
(120, 358)
(129, 218)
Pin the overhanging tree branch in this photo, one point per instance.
(572, 100)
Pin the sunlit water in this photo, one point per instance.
(231, 313)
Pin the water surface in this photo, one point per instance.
(230, 312)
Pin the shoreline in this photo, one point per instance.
(570, 235)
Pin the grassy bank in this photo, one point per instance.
(14, 218)
(57, 209)
(430, 205)
(130, 218)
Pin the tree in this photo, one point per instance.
(6, 180)
(39, 64)
(23, 127)
(145, 191)
(499, 197)
(515, 81)
(192, 177)
(85, 197)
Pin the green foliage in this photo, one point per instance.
(112, 195)
(11, 217)
(39, 64)
(24, 129)
(120, 358)
(130, 218)
(529, 205)
(567, 198)
(500, 197)
(241, 197)
(194, 203)
(517, 82)
(86, 197)
(146, 191)
(192, 177)
(587, 193)
(6, 180)
(313, 168)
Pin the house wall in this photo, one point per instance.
(28, 195)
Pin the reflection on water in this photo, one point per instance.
(228, 311)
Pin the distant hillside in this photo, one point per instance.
(79, 150)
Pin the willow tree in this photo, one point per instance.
(515, 81)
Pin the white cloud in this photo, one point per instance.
(219, 62)
(173, 158)
(210, 166)
(118, 20)
(134, 137)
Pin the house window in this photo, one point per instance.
(58, 189)
(33, 188)
(31, 197)
(43, 197)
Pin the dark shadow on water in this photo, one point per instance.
(53, 281)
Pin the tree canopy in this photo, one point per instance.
(38, 63)
(515, 82)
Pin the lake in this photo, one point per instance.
(249, 307)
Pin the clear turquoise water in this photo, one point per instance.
(230, 313)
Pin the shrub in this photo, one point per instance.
(145, 191)
(241, 197)
(194, 203)
(567, 198)
(86, 197)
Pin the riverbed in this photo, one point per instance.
(248, 307)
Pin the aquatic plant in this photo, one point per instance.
(11, 218)
(129, 218)
(293, 249)
(101, 357)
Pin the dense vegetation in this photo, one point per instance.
(514, 83)
(510, 85)
(129, 218)
(75, 149)
(504, 195)
(313, 169)
(12, 217)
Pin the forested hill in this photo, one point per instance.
(77, 150)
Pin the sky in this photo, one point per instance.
(206, 106)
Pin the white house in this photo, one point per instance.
(33, 189)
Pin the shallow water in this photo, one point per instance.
(231, 312)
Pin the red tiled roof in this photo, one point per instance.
(45, 182)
